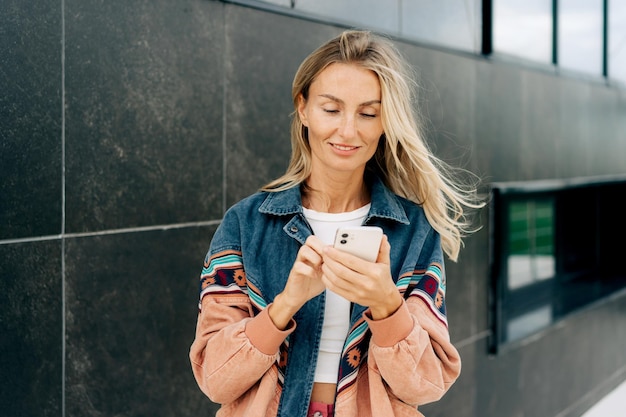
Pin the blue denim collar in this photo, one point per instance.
(385, 204)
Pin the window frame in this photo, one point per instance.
(586, 264)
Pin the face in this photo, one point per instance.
(342, 114)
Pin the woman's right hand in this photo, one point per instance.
(304, 283)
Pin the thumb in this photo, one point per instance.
(384, 252)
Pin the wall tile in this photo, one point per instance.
(539, 131)
(447, 89)
(609, 137)
(573, 146)
(31, 329)
(30, 118)
(498, 125)
(144, 113)
(132, 303)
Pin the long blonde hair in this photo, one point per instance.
(402, 159)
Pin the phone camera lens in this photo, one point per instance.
(344, 235)
(343, 241)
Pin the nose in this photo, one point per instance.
(348, 127)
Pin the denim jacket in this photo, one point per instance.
(388, 367)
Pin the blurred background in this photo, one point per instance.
(127, 128)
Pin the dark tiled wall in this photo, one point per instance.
(112, 172)
(128, 127)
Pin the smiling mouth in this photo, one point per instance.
(343, 147)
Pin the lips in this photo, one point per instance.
(343, 147)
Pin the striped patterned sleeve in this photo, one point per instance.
(223, 275)
(430, 286)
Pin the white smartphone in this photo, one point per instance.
(362, 241)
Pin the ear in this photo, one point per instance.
(301, 112)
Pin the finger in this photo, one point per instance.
(337, 276)
(304, 269)
(337, 284)
(309, 255)
(346, 259)
(315, 243)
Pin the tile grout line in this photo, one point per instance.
(224, 119)
(63, 300)
(65, 236)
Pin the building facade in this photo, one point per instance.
(128, 128)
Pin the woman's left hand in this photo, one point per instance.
(362, 282)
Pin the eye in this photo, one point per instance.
(369, 112)
(331, 110)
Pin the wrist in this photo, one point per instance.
(281, 312)
(385, 310)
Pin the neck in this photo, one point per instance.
(335, 195)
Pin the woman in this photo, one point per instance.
(289, 325)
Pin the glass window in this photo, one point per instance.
(523, 28)
(375, 14)
(529, 323)
(547, 262)
(580, 37)
(617, 40)
(531, 242)
(452, 23)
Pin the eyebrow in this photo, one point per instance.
(338, 100)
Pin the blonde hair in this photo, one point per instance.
(402, 159)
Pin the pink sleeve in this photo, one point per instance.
(265, 335)
(411, 350)
(227, 337)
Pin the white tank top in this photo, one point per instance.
(337, 309)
